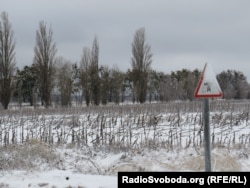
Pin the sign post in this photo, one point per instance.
(207, 87)
(206, 134)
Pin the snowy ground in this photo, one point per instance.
(55, 179)
(100, 171)
(87, 148)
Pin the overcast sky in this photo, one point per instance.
(182, 33)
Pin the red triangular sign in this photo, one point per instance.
(208, 86)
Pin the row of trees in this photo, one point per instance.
(55, 79)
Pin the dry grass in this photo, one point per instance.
(188, 160)
(221, 160)
(31, 155)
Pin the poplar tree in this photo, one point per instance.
(141, 65)
(44, 61)
(7, 59)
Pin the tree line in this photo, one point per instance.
(52, 79)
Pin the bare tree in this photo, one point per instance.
(44, 61)
(117, 79)
(233, 84)
(89, 74)
(94, 72)
(7, 59)
(154, 83)
(65, 80)
(141, 62)
(105, 84)
(85, 74)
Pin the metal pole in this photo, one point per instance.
(206, 135)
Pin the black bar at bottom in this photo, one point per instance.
(183, 179)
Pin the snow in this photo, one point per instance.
(56, 178)
(110, 164)
(174, 144)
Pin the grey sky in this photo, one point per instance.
(182, 33)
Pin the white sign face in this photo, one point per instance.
(208, 86)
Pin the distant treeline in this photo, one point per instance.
(54, 80)
(117, 86)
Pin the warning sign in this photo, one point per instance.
(208, 86)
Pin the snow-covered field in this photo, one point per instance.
(86, 147)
